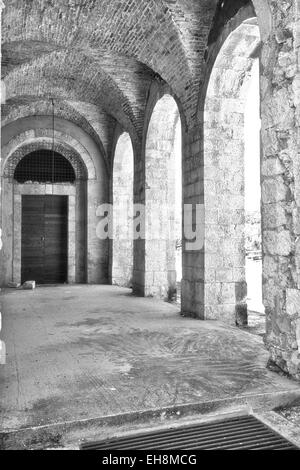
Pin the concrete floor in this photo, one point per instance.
(80, 352)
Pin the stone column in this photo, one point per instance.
(280, 89)
(97, 245)
(138, 276)
(192, 285)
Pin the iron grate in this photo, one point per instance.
(244, 432)
(44, 166)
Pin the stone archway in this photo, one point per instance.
(66, 151)
(75, 144)
(12, 194)
(122, 249)
(224, 175)
(67, 145)
(163, 201)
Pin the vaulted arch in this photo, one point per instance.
(163, 183)
(224, 175)
(122, 198)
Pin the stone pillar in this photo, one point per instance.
(192, 285)
(280, 89)
(97, 245)
(138, 275)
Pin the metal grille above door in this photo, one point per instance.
(244, 432)
(44, 166)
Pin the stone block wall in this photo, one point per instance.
(280, 84)
(193, 278)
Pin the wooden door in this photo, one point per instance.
(44, 257)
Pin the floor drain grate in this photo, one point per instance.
(244, 432)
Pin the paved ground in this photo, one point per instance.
(80, 352)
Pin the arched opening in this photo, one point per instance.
(253, 234)
(232, 179)
(163, 201)
(44, 166)
(123, 171)
(46, 235)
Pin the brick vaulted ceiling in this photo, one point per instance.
(101, 55)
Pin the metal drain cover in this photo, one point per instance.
(244, 432)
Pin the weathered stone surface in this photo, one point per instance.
(13, 285)
(293, 302)
(274, 216)
(278, 243)
(28, 285)
(298, 334)
(274, 190)
(280, 113)
(272, 167)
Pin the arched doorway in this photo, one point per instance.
(163, 201)
(123, 172)
(44, 233)
(46, 236)
(231, 175)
